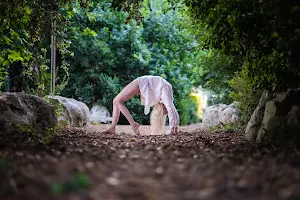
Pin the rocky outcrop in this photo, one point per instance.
(281, 119)
(70, 111)
(220, 114)
(25, 113)
(100, 114)
(254, 123)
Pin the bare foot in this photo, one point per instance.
(111, 130)
(135, 128)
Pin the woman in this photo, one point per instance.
(154, 91)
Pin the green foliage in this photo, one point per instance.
(174, 49)
(26, 27)
(100, 49)
(108, 52)
(261, 38)
(136, 110)
(263, 33)
(187, 109)
(132, 7)
(245, 94)
(227, 128)
(111, 51)
(171, 42)
(77, 183)
(49, 135)
(44, 136)
(57, 105)
(25, 128)
(109, 88)
(213, 73)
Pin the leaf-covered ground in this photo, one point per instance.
(84, 164)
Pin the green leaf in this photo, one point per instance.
(93, 33)
(5, 63)
(57, 188)
(14, 33)
(14, 56)
(7, 40)
(81, 180)
(275, 35)
(135, 56)
(27, 10)
(88, 32)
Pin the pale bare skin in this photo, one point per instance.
(127, 93)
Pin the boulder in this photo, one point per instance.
(281, 120)
(211, 115)
(71, 112)
(25, 112)
(254, 123)
(229, 115)
(100, 114)
(220, 114)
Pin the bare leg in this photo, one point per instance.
(116, 115)
(128, 92)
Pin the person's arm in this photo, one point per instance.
(167, 100)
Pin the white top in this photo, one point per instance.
(157, 90)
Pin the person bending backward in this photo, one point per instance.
(155, 91)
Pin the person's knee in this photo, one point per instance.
(117, 101)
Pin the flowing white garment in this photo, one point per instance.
(157, 90)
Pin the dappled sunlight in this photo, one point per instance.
(201, 98)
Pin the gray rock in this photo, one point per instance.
(219, 114)
(229, 115)
(100, 114)
(255, 121)
(73, 113)
(25, 112)
(281, 120)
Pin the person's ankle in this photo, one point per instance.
(135, 128)
(135, 125)
(111, 129)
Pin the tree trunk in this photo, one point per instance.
(16, 77)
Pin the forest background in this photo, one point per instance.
(234, 49)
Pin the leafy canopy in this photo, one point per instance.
(263, 34)
(110, 51)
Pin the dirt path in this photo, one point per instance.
(193, 165)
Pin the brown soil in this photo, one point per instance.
(85, 164)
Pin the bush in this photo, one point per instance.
(213, 73)
(227, 128)
(187, 109)
(261, 36)
(244, 93)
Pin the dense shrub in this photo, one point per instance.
(261, 36)
(245, 94)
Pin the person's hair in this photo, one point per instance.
(158, 120)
